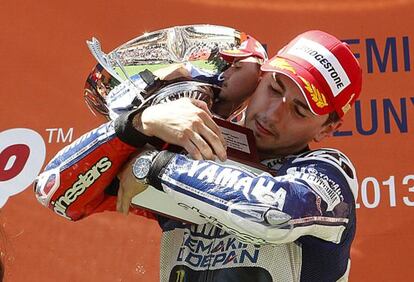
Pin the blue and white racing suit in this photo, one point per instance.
(295, 225)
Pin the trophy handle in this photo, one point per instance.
(95, 47)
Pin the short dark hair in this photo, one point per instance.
(333, 117)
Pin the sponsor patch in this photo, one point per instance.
(201, 253)
(83, 182)
(321, 184)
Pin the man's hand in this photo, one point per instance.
(187, 123)
(129, 187)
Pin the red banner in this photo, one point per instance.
(45, 62)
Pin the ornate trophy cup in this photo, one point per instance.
(116, 85)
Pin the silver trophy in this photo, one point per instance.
(114, 85)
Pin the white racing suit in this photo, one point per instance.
(295, 226)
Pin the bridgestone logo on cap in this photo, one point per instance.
(324, 61)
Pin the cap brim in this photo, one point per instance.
(307, 84)
(230, 55)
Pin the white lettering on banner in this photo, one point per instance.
(51, 132)
(22, 153)
(377, 194)
(60, 135)
(324, 61)
(406, 200)
(374, 195)
(65, 138)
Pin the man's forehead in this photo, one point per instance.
(291, 88)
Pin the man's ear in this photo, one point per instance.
(327, 130)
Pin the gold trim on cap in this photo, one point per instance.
(316, 95)
(282, 64)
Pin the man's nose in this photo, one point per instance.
(277, 111)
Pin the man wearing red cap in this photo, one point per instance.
(294, 225)
(237, 82)
(241, 78)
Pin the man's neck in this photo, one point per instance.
(275, 155)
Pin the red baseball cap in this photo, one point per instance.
(324, 68)
(249, 47)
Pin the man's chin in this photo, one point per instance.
(224, 95)
(264, 147)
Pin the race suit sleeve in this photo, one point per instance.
(312, 194)
(81, 178)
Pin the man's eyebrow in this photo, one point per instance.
(300, 103)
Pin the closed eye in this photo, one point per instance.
(236, 64)
(301, 108)
(298, 112)
(275, 91)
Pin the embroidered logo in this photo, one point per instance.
(317, 96)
